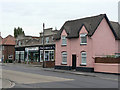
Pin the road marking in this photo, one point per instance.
(30, 78)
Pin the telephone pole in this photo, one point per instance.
(43, 45)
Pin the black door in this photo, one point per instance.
(73, 61)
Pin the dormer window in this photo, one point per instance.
(83, 39)
(47, 40)
(19, 43)
(64, 41)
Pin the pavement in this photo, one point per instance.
(5, 83)
(70, 72)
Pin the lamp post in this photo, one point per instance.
(43, 45)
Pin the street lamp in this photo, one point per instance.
(43, 45)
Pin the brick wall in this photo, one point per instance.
(8, 50)
(107, 60)
(49, 64)
(107, 65)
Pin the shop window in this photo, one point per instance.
(51, 55)
(41, 56)
(17, 55)
(35, 56)
(22, 55)
(46, 56)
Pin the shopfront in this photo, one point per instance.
(19, 54)
(49, 53)
(32, 54)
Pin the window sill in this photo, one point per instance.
(63, 63)
(83, 65)
(83, 44)
(64, 45)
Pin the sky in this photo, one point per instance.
(31, 14)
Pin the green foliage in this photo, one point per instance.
(18, 31)
(111, 56)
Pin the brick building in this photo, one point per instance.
(8, 48)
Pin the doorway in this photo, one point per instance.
(73, 61)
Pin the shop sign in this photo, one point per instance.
(49, 47)
(32, 49)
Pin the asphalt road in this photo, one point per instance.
(34, 77)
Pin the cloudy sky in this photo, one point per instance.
(30, 14)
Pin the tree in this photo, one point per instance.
(18, 31)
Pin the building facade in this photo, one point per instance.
(79, 41)
(8, 48)
(30, 49)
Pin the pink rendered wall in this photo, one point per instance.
(101, 43)
(59, 49)
(74, 47)
(117, 46)
(104, 42)
(110, 68)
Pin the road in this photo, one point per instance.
(34, 77)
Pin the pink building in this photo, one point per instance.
(79, 41)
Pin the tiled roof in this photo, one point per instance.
(73, 27)
(116, 27)
(9, 40)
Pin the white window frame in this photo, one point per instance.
(83, 56)
(10, 56)
(2, 56)
(45, 55)
(47, 40)
(16, 55)
(22, 53)
(41, 52)
(83, 35)
(64, 40)
(3, 47)
(64, 56)
(48, 55)
(19, 43)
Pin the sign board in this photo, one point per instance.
(31, 48)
